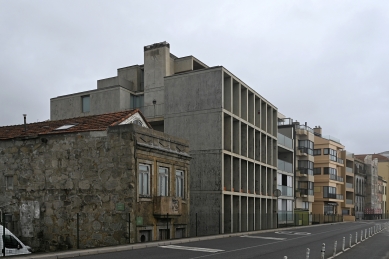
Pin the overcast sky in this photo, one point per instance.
(320, 62)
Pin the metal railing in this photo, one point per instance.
(349, 170)
(306, 192)
(303, 127)
(348, 201)
(349, 185)
(331, 138)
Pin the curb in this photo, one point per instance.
(110, 249)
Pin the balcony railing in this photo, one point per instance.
(340, 161)
(306, 192)
(349, 170)
(285, 121)
(285, 166)
(285, 141)
(336, 178)
(349, 185)
(306, 150)
(286, 190)
(339, 196)
(303, 127)
(331, 138)
(333, 196)
(348, 201)
(304, 170)
(349, 154)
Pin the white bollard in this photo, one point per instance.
(344, 242)
(307, 254)
(335, 244)
(285, 257)
(351, 237)
(365, 233)
(361, 234)
(323, 251)
(356, 237)
(369, 233)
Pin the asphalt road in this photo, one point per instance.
(292, 243)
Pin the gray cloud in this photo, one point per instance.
(320, 62)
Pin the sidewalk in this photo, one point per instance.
(120, 248)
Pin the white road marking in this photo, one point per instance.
(198, 249)
(293, 233)
(273, 238)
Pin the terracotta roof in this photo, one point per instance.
(81, 124)
(380, 158)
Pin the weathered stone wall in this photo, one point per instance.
(92, 174)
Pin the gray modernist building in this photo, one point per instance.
(232, 133)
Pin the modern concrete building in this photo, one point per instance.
(232, 131)
(328, 166)
(296, 162)
(108, 177)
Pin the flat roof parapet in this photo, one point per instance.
(157, 45)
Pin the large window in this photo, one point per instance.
(317, 152)
(85, 103)
(144, 180)
(306, 165)
(332, 153)
(328, 209)
(329, 192)
(163, 181)
(317, 170)
(137, 101)
(180, 184)
(306, 188)
(306, 146)
(330, 170)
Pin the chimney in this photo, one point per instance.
(25, 123)
(156, 64)
(317, 131)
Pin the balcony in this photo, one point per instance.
(305, 192)
(349, 170)
(304, 151)
(331, 138)
(304, 171)
(348, 201)
(285, 166)
(285, 141)
(349, 185)
(349, 154)
(286, 190)
(303, 127)
(333, 196)
(336, 178)
(340, 161)
(164, 205)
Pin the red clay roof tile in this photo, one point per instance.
(82, 124)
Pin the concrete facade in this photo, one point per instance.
(360, 188)
(52, 176)
(232, 131)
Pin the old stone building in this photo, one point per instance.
(93, 181)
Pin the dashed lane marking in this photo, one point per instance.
(198, 249)
(273, 238)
